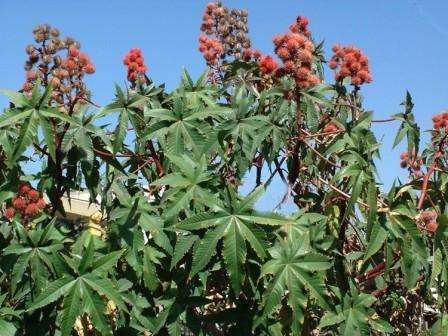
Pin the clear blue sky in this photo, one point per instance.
(406, 40)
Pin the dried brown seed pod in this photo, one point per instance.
(57, 43)
(34, 57)
(64, 73)
(55, 82)
(46, 59)
(57, 60)
(50, 48)
(39, 37)
(43, 68)
(30, 49)
(54, 32)
(62, 87)
(27, 86)
(46, 28)
(68, 41)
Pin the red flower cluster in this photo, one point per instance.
(331, 128)
(210, 48)
(28, 203)
(212, 10)
(412, 162)
(440, 121)
(248, 54)
(267, 64)
(77, 62)
(352, 63)
(136, 65)
(296, 49)
(429, 220)
(301, 26)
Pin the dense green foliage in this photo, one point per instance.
(181, 249)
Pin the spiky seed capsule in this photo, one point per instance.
(54, 32)
(29, 49)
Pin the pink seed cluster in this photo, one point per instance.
(350, 62)
(210, 48)
(295, 49)
(135, 64)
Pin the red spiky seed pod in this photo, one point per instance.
(10, 213)
(428, 216)
(24, 188)
(19, 203)
(32, 210)
(440, 121)
(267, 64)
(89, 68)
(84, 59)
(33, 195)
(331, 128)
(296, 49)
(134, 61)
(73, 52)
(211, 49)
(432, 226)
(350, 62)
(41, 203)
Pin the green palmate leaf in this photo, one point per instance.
(312, 115)
(354, 315)
(381, 326)
(256, 239)
(296, 271)
(249, 201)
(357, 185)
(107, 262)
(71, 310)
(372, 202)
(412, 230)
(121, 130)
(105, 287)
(377, 240)
(437, 265)
(7, 328)
(95, 307)
(87, 257)
(16, 249)
(183, 245)
(330, 318)
(188, 185)
(236, 224)
(52, 292)
(28, 131)
(206, 249)
(235, 253)
(12, 116)
(54, 113)
(266, 219)
(19, 269)
(201, 221)
(17, 98)
(150, 277)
